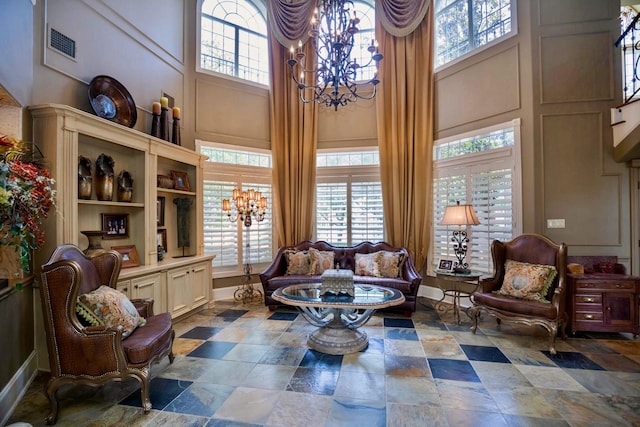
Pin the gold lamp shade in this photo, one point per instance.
(459, 215)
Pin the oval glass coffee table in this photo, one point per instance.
(338, 317)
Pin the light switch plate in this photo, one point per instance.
(555, 223)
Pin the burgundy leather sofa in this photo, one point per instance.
(408, 283)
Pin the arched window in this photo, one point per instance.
(233, 39)
(362, 39)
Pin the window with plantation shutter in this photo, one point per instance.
(231, 242)
(349, 198)
(482, 169)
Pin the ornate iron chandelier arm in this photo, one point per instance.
(333, 28)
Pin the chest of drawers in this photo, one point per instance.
(603, 303)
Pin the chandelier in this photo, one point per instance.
(332, 32)
(246, 205)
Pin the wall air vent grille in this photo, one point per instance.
(62, 43)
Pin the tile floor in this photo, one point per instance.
(240, 365)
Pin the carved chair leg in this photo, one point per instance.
(144, 391)
(50, 391)
(474, 313)
(553, 331)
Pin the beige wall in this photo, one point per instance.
(560, 75)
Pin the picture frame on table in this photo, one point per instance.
(445, 264)
(160, 204)
(180, 181)
(115, 226)
(129, 255)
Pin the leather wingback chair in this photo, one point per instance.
(94, 355)
(532, 249)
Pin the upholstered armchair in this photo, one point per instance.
(528, 286)
(94, 350)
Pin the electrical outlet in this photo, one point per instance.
(555, 223)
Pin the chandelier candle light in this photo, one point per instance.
(460, 215)
(332, 30)
(247, 206)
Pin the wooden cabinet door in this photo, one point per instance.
(148, 287)
(619, 309)
(124, 286)
(200, 284)
(179, 299)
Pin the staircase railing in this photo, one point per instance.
(630, 45)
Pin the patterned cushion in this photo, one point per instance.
(109, 307)
(388, 264)
(365, 264)
(298, 262)
(320, 260)
(527, 281)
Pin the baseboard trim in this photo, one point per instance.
(16, 388)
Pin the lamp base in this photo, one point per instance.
(457, 270)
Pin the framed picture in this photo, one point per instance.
(180, 181)
(445, 265)
(160, 211)
(161, 238)
(129, 255)
(116, 226)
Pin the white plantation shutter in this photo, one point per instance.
(261, 233)
(227, 169)
(220, 234)
(367, 219)
(331, 213)
(490, 181)
(349, 198)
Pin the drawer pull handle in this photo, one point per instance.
(589, 299)
(588, 316)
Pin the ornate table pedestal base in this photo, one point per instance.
(337, 334)
(337, 331)
(338, 317)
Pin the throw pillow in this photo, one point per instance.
(527, 281)
(388, 264)
(320, 260)
(109, 307)
(298, 262)
(365, 264)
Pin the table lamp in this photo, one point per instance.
(460, 215)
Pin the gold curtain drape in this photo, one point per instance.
(294, 138)
(404, 116)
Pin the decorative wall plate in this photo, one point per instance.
(111, 100)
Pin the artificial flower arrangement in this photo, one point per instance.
(26, 196)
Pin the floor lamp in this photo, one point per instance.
(246, 206)
(460, 215)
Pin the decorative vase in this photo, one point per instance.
(84, 178)
(104, 177)
(125, 186)
(95, 240)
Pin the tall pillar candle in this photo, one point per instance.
(176, 126)
(164, 118)
(155, 119)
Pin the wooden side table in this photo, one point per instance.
(456, 286)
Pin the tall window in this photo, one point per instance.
(363, 38)
(233, 39)
(464, 25)
(482, 169)
(225, 170)
(349, 198)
